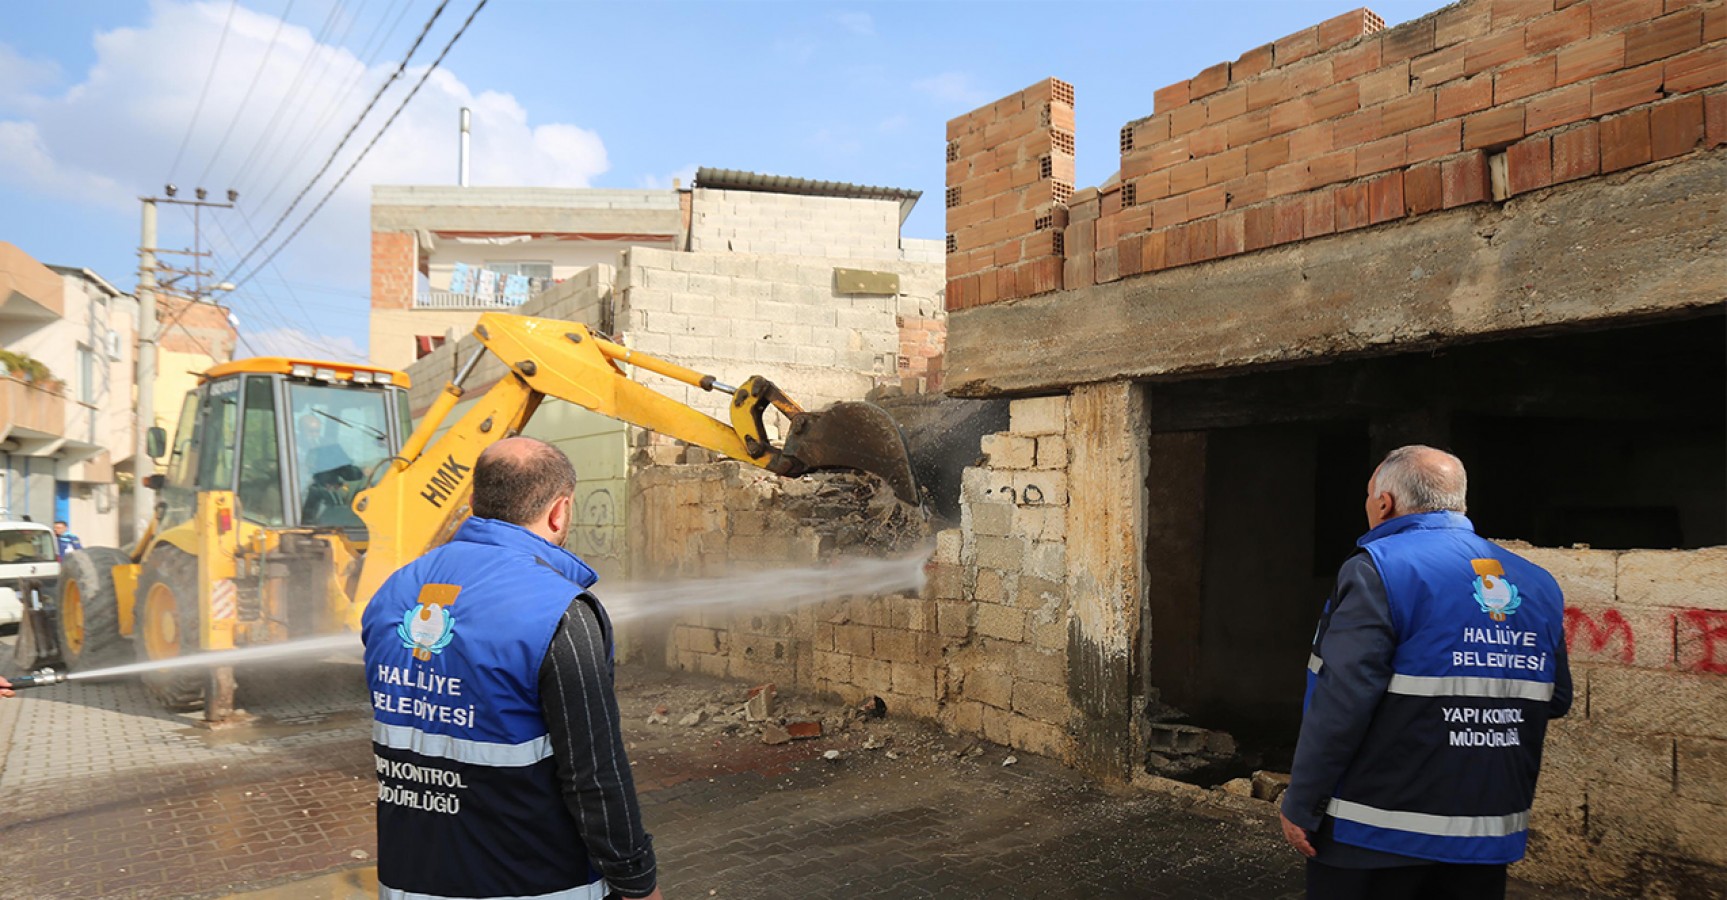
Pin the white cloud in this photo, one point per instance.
(112, 133)
(684, 175)
(895, 123)
(952, 87)
(294, 342)
(858, 23)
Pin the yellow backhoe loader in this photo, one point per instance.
(295, 487)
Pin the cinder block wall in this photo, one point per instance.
(793, 225)
(1348, 125)
(734, 314)
(983, 650)
(1633, 792)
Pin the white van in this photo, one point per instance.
(28, 553)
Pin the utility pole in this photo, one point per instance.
(144, 503)
(148, 288)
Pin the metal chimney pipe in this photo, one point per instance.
(462, 176)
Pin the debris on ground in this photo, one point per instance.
(1269, 786)
(804, 729)
(760, 705)
(662, 715)
(1010, 761)
(773, 734)
(870, 743)
(873, 708)
(693, 719)
(831, 755)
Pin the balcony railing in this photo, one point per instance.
(453, 300)
(32, 408)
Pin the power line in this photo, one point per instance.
(208, 78)
(373, 47)
(367, 149)
(262, 62)
(287, 96)
(356, 126)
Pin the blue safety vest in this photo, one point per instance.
(468, 798)
(1447, 768)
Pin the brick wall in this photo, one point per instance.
(794, 225)
(983, 649)
(1010, 171)
(1633, 791)
(394, 259)
(922, 343)
(1346, 125)
(186, 326)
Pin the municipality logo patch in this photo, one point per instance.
(429, 626)
(1494, 593)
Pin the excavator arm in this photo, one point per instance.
(422, 496)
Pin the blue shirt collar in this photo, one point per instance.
(503, 534)
(1439, 520)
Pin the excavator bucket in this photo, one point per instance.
(852, 435)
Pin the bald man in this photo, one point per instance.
(1439, 659)
(501, 766)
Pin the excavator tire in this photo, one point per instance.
(88, 621)
(165, 626)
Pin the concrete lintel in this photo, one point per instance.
(1634, 245)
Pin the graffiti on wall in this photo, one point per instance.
(596, 518)
(1697, 637)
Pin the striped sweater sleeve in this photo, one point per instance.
(580, 704)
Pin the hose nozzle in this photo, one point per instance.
(40, 679)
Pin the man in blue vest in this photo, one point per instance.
(501, 766)
(1438, 661)
(65, 541)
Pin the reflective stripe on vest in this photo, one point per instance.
(1468, 686)
(443, 746)
(1314, 663)
(599, 890)
(1426, 823)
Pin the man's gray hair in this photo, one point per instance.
(1423, 479)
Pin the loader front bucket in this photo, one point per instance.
(852, 435)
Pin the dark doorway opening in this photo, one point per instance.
(1614, 438)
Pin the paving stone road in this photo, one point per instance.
(103, 796)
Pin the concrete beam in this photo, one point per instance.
(1622, 247)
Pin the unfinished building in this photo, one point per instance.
(1498, 229)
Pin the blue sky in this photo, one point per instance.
(97, 98)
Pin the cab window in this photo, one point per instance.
(260, 488)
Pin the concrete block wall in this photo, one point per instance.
(794, 225)
(1633, 791)
(733, 315)
(199, 328)
(1010, 172)
(1347, 125)
(999, 583)
(981, 650)
(394, 259)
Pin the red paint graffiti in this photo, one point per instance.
(1597, 635)
(1711, 627)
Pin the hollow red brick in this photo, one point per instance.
(1251, 63)
(1461, 22)
(1288, 220)
(1596, 56)
(1385, 85)
(1568, 26)
(1493, 50)
(1695, 70)
(1128, 254)
(1245, 191)
(1463, 179)
(1423, 190)
(1436, 140)
(1408, 113)
(1556, 108)
(1407, 41)
(1625, 141)
(1353, 209)
(1355, 61)
(1209, 81)
(1664, 37)
(1517, 82)
(1382, 155)
(1249, 127)
(1267, 154)
(1496, 127)
(1184, 119)
(1336, 100)
(1319, 213)
(1207, 201)
(1529, 165)
(1576, 153)
(1231, 234)
(1259, 227)
(1715, 119)
(1463, 97)
(1612, 15)
(1168, 98)
(1675, 127)
(1623, 90)
(1437, 67)
(1297, 46)
(1509, 12)
(1385, 198)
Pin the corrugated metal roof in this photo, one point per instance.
(738, 180)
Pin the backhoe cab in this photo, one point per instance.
(293, 488)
